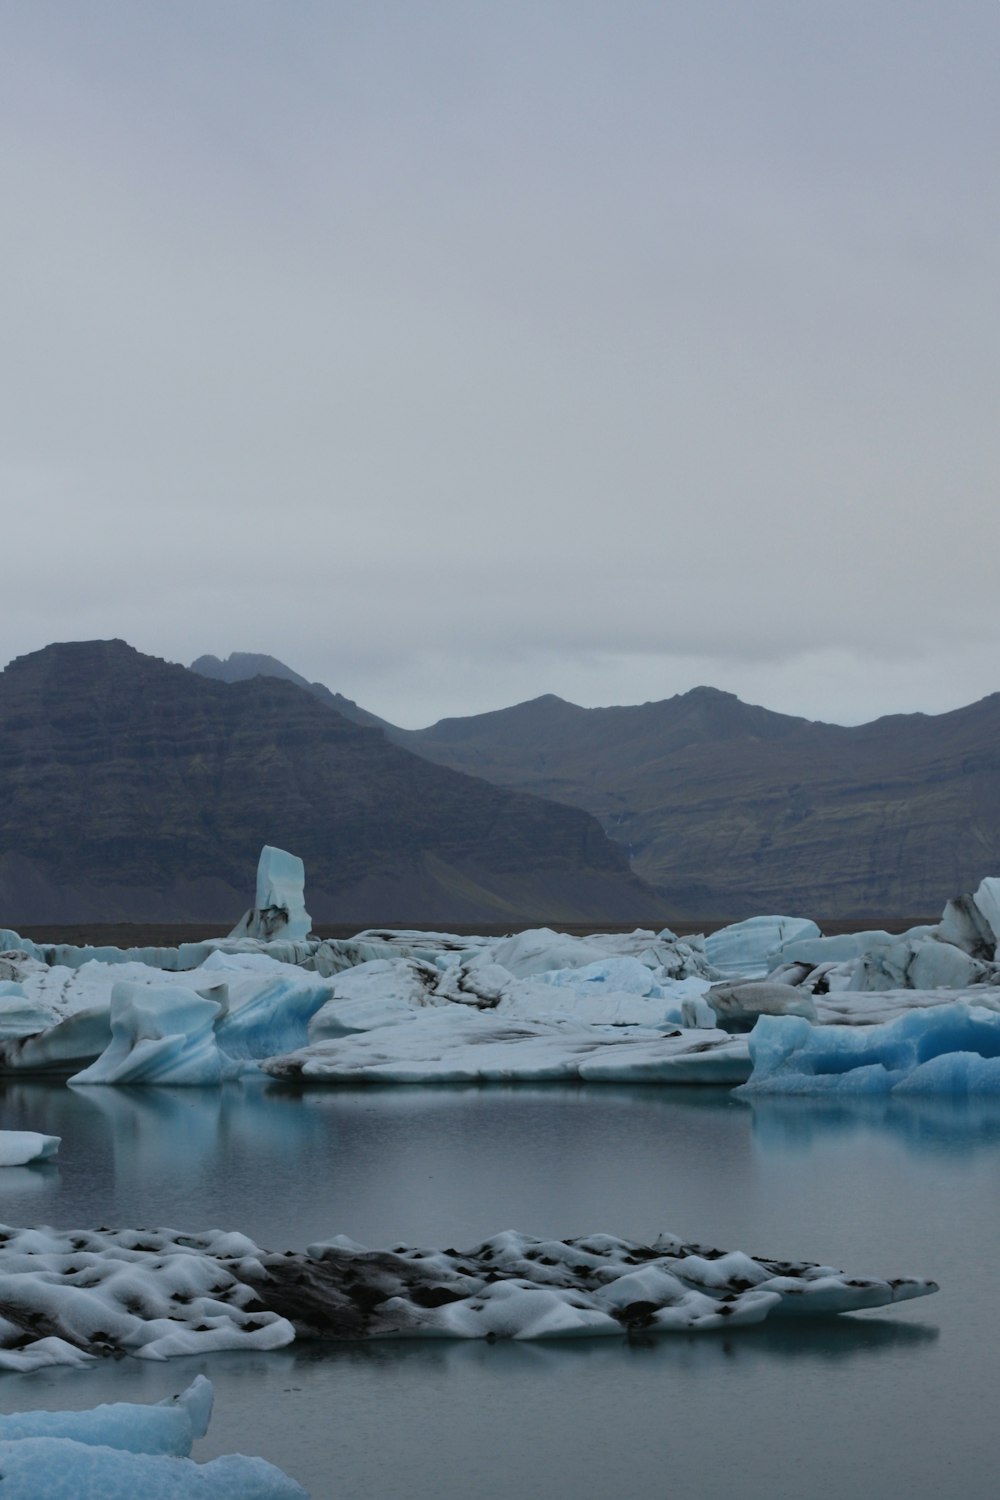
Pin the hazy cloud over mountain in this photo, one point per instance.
(458, 353)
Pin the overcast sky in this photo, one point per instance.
(459, 352)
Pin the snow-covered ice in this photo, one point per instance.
(516, 1286)
(71, 1295)
(68, 1295)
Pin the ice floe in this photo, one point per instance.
(71, 1295)
(120, 1451)
(18, 1147)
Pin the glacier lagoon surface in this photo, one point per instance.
(865, 1405)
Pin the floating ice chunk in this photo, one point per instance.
(158, 1293)
(919, 963)
(987, 899)
(951, 1049)
(160, 1034)
(18, 1147)
(737, 1006)
(58, 1468)
(621, 974)
(119, 1451)
(516, 1286)
(743, 948)
(821, 950)
(171, 1426)
(279, 910)
(540, 950)
(151, 1293)
(848, 1007)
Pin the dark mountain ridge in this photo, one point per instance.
(731, 809)
(133, 789)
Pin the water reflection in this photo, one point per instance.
(924, 1126)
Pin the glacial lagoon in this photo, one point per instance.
(865, 1405)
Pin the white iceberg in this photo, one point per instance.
(742, 950)
(18, 1147)
(456, 1044)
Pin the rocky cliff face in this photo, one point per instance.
(131, 789)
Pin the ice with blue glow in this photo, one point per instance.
(161, 1034)
(279, 909)
(124, 1450)
(951, 1049)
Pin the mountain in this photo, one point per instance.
(730, 809)
(135, 790)
(241, 666)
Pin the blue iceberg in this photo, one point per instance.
(945, 1049)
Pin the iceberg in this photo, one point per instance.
(737, 1006)
(158, 1293)
(944, 1049)
(161, 1034)
(171, 1426)
(516, 1286)
(119, 1451)
(279, 909)
(18, 1147)
(742, 950)
(461, 1045)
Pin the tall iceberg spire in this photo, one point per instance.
(279, 910)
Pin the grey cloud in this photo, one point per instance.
(613, 346)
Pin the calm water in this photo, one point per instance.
(867, 1406)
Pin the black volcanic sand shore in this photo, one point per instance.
(171, 934)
